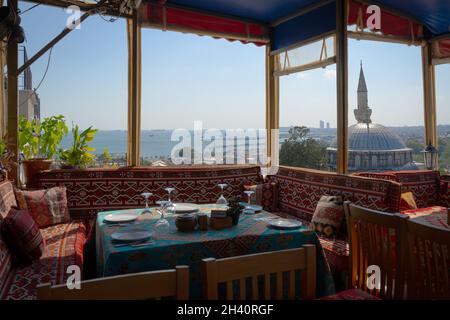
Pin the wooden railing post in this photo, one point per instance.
(342, 86)
(429, 96)
(13, 101)
(134, 89)
(272, 109)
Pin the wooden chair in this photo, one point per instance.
(377, 239)
(258, 268)
(137, 286)
(428, 261)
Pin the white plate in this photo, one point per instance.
(284, 223)
(131, 235)
(254, 207)
(121, 217)
(185, 207)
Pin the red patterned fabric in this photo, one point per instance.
(351, 294)
(426, 185)
(47, 207)
(266, 195)
(7, 200)
(22, 236)
(426, 211)
(328, 216)
(64, 247)
(92, 190)
(301, 189)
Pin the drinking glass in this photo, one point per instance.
(164, 207)
(169, 191)
(222, 199)
(249, 196)
(146, 196)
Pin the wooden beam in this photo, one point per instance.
(134, 89)
(272, 109)
(13, 101)
(342, 85)
(358, 35)
(60, 36)
(305, 67)
(429, 96)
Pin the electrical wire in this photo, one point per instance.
(30, 8)
(43, 77)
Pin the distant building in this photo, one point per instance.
(322, 124)
(372, 147)
(328, 125)
(29, 102)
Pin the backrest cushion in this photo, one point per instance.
(92, 190)
(328, 216)
(301, 189)
(23, 237)
(7, 200)
(265, 195)
(47, 206)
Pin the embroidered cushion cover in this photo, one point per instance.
(47, 207)
(329, 214)
(22, 236)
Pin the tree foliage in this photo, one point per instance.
(300, 150)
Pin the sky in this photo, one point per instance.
(188, 77)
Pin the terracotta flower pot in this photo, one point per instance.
(32, 167)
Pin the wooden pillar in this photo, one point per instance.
(342, 86)
(13, 103)
(134, 89)
(429, 96)
(272, 109)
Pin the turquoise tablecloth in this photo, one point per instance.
(172, 247)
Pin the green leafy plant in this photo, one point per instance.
(41, 139)
(107, 158)
(3, 147)
(235, 209)
(79, 155)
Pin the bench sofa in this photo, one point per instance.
(428, 187)
(301, 189)
(64, 247)
(93, 190)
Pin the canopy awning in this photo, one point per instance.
(287, 22)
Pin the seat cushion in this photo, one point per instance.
(22, 235)
(64, 247)
(47, 206)
(337, 252)
(351, 294)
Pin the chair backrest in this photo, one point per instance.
(137, 286)
(429, 261)
(377, 245)
(262, 275)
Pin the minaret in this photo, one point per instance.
(363, 113)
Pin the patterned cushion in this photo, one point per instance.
(22, 236)
(329, 215)
(351, 294)
(301, 189)
(7, 200)
(47, 207)
(426, 211)
(266, 195)
(337, 252)
(64, 247)
(407, 201)
(92, 190)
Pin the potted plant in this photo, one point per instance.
(6, 162)
(234, 210)
(79, 154)
(39, 142)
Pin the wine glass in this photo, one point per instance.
(249, 196)
(222, 199)
(164, 207)
(169, 191)
(146, 195)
